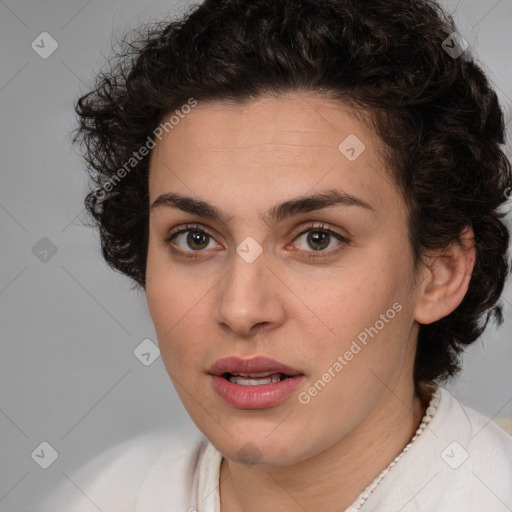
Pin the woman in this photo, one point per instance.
(309, 193)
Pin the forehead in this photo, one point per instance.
(278, 145)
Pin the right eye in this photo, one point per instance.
(190, 239)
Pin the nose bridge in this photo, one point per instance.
(247, 296)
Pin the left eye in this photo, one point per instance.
(318, 239)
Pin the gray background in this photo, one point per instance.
(68, 374)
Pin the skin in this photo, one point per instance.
(304, 312)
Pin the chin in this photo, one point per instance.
(252, 446)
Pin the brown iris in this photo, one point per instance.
(197, 240)
(318, 240)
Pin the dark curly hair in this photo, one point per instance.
(435, 111)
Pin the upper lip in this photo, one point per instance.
(260, 364)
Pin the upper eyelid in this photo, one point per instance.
(187, 227)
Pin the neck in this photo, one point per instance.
(333, 479)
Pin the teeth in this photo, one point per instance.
(263, 374)
(247, 381)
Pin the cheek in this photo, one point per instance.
(178, 307)
(160, 297)
(167, 291)
(164, 296)
(368, 323)
(354, 298)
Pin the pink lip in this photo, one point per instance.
(253, 397)
(258, 364)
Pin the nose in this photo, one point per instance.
(249, 299)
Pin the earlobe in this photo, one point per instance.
(446, 279)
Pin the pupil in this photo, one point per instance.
(197, 240)
(318, 240)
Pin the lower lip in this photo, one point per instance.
(255, 397)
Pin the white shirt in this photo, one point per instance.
(461, 463)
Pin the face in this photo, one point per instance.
(274, 233)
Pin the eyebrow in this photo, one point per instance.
(279, 212)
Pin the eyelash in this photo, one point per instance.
(310, 254)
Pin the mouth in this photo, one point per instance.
(256, 383)
(252, 372)
(254, 379)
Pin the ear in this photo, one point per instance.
(446, 275)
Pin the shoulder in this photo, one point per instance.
(485, 447)
(461, 461)
(474, 458)
(483, 439)
(132, 475)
